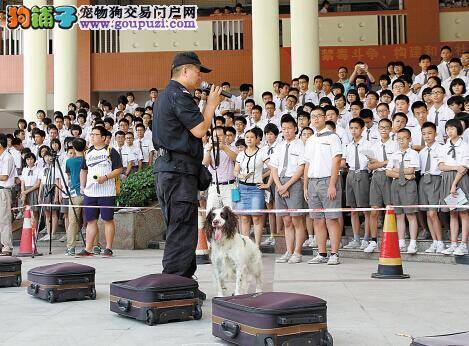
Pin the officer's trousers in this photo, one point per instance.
(177, 195)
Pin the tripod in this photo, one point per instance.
(50, 193)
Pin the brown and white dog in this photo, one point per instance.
(233, 256)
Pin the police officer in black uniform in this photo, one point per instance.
(178, 128)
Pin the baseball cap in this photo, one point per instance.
(191, 58)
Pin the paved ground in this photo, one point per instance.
(361, 311)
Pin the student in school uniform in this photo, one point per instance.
(370, 132)
(453, 160)
(430, 184)
(332, 114)
(344, 115)
(439, 113)
(322, 188)
(30, 183)
(240, 126)
(402, 166)
(271, 133)
(287, 167)
(357, 185)
(305, 94)
(248, 170)
(256, 118)
(443, 68)
(145, 146)
(399, 121)
(380, 186)
(239, 102)
(7, 182)
(455, 67)
(422, 78)
(419, 109)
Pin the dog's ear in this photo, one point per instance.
(231, 223)
(208, 225)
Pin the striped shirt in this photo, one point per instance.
(99, 162)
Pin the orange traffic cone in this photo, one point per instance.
(27, 244)
(201, 253)
(390, 262)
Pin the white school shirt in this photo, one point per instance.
(342, 133)
(253, 163)
(420, 79)
(390, 147)
(7, 167)
(443, 70)
(344, 118)
(317, 96)
(239, 104)
(465, 136)
(435, 152)
(223, 106)
(280, 103)
(130, 108)
(411, 160)
(30, 179)
(146, 148)
(371, 134)
(295, 157)
(444, 114)
(308, 97)
(269, 150)
(260, 124)
(16, 155)
(320, 148)
(462, 153)
(274, 120)
(349, 154)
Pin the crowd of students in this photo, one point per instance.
(402, 139)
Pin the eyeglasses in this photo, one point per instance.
(437, 92)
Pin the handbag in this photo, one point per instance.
(235, 193)
(204, 178)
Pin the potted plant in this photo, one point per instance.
(135, 228)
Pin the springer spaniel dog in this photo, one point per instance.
(233, 255)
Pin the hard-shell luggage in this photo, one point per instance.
(10, 272)
(62, 282)
(456, 339)
(271, 318)
(157, 298)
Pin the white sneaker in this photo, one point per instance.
(412, 248)
(45, 238)
(318, 260)
(272, 242)
(353, 244)
(402, 247)
(313, 243)
(267, 242)
(450, 250)
(307, 242)
(333, 260)
(63, 239)
(364, 244)
(440, 247)
(284, 258)
(461, 250)
(372, 247)
(295, 258)
(431, 249)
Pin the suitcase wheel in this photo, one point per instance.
(93, 294)
(328, 340)
(34, 288)
(51, 298)
(18, 281)
(197, 312)
(269, 342)
(230, 329)
(150, 317)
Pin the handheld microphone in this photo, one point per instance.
(95, 177)
(206, 86)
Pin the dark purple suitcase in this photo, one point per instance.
(456, 339)
(10, 272)
(157, 299)
(62, 282)
(271, 318)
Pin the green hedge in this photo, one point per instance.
(138, 190)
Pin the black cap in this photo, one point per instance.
(191, 58)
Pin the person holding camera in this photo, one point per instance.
(178, 128)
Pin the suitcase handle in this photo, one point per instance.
(69, 281)
(230, 329)
(123, 305)
(8, 269)
(174, 296)
(287, 321)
